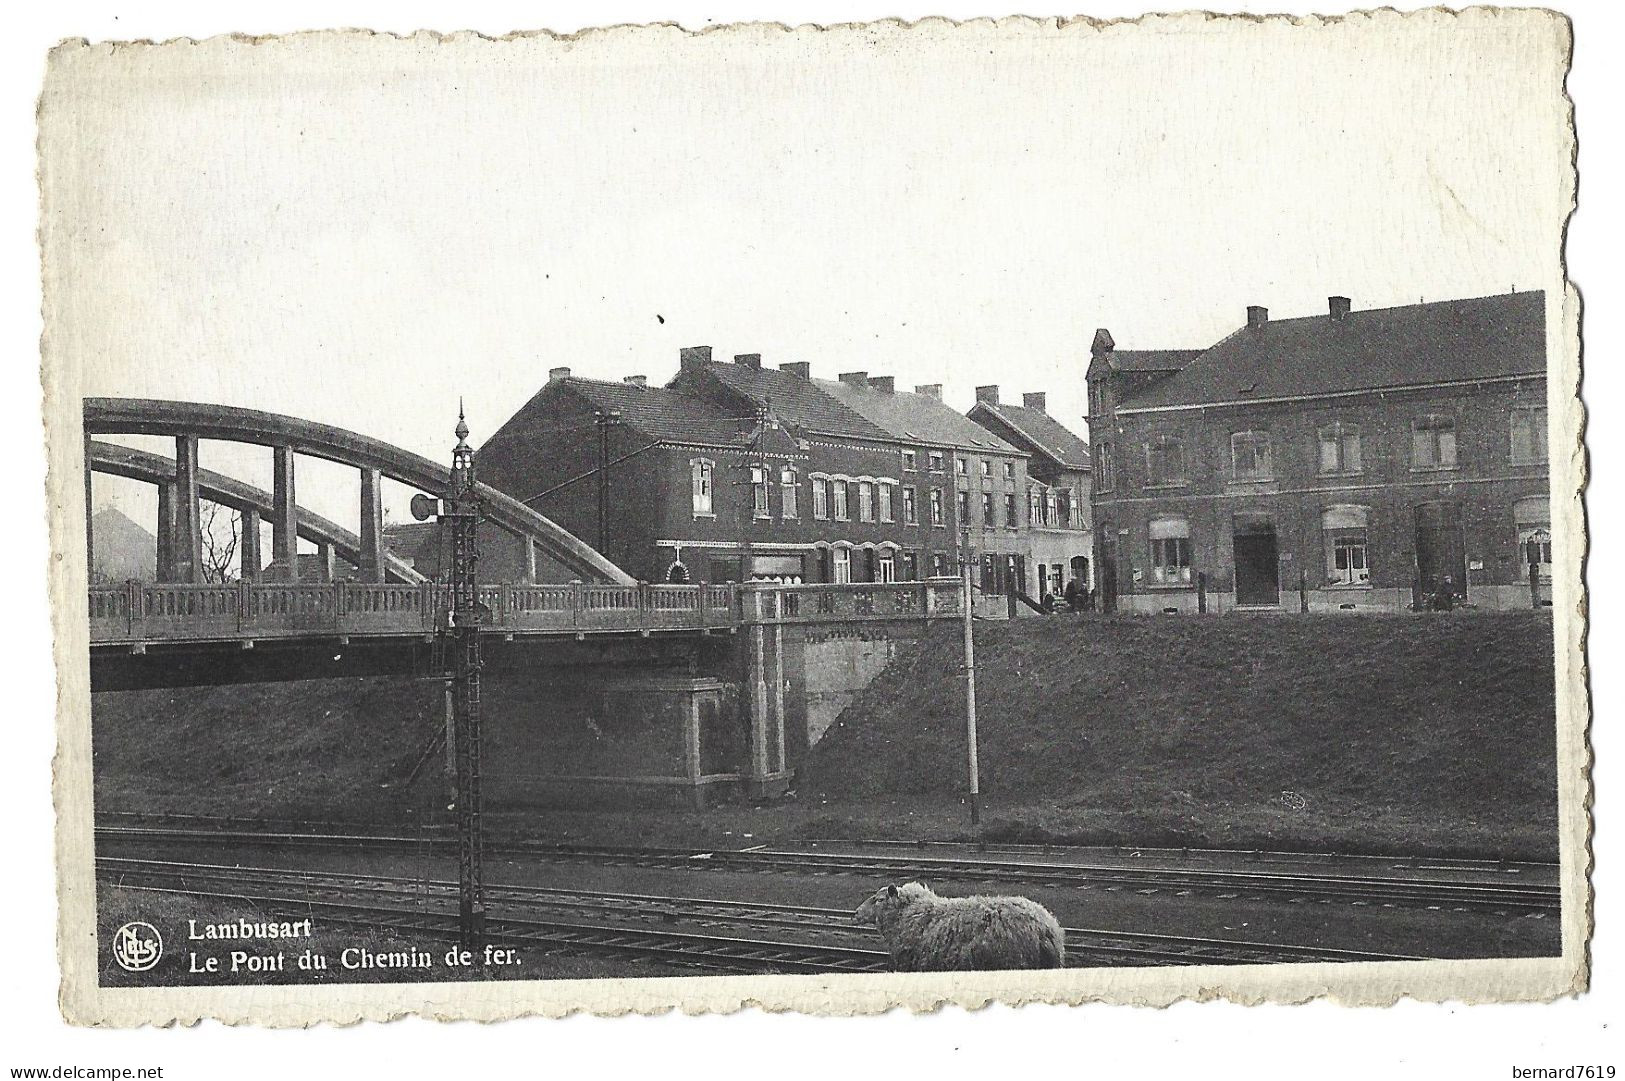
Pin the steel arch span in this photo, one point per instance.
(288, 436)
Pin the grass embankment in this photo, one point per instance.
(1405, 733)
(1421, 734)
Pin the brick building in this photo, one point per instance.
(1060, 543)
(897, 481)
(1365, 458)
(736, 471)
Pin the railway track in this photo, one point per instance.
(1410, 890)
(684, 930)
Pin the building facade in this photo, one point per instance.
(735, 472)
(1059, 540)
(1355, 460)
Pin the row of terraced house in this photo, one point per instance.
(1347, 460)
(740, 471)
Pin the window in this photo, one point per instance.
(1170, 551)
(1009, 470)
(1433, 442)
(987, 467)
(886, 567)
(964, 509)
(1105, 467)
(1063, 508)
(962, 466)
(1165, 461)
(936, 461)
(843, 564)
(1340, 448)
(911, 567)
(701, 469)
(987, 509)
(1097, 398)
(1347, 562)
(1035, 507)
(758, 491)
(1010, 510)
(789, 494)
(939, 565)
(1250, 455)
(1534, 518)
(883, 494)
(911, 513)
(820, 490)
(1529, 434)
(866, 501)
(936, 506)
(1049, 507)
(911, 460)
(838, 490)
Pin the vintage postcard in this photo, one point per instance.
(826, 518)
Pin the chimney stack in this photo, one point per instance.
(555, 374)
(636, 380)
(1034, 401)
(1257, 316)
(930, 390)
(990, 395)
(884, 383)
(748, 360)
(798, 368)
(855, 379)
(693, 356)
(1339, 307)
(1103, 342)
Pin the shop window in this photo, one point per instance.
(1170, 551)
(1347, 558)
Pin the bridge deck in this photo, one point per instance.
(136, 613)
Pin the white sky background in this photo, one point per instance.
(359, 234)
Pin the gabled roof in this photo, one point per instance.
(1451, 341)
(1151, 360)
(1036, 431)
(915, 418)
(662, 413)
(798, 402)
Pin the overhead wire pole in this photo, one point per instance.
(967, 610)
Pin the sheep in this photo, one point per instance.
(927, 933)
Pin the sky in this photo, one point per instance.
(360, 230)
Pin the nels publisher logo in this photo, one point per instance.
(137, 946)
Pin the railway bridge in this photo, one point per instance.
(785, 659)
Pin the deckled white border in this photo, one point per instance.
(84, 1002)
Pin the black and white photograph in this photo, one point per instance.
(1022, 510)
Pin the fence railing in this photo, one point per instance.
(140, 611)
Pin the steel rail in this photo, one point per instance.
(1501, 898)
(1133, 947)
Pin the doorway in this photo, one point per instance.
(1258, 565)
(1441, 550)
